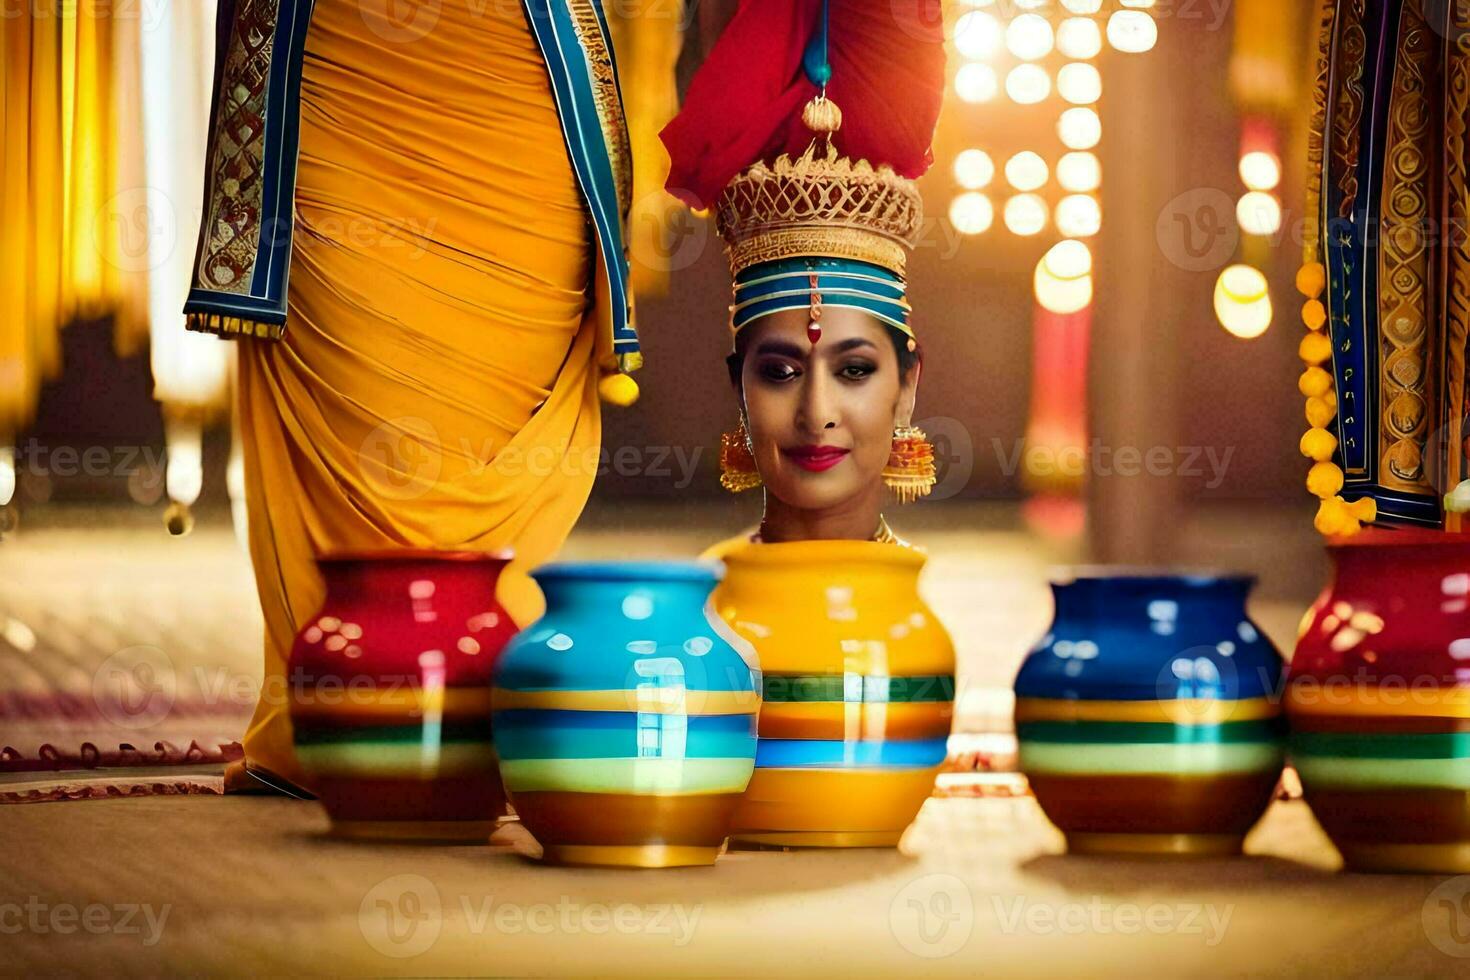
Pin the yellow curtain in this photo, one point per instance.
(30, 262)
(647, 38)
(69, 169)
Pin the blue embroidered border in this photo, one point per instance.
(266, 300)
(572, 84)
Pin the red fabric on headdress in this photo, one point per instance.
(744, 104)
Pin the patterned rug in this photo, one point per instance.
(126, 658)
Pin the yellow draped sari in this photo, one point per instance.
(436, 386)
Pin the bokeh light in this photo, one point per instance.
(1025, 214)
(1078, 216)
(1258, 213)
(977, 34)
(971, 213)
(1132, 31)
(1242, 301)
(1027, 171)
(1079, 172)
(1260, 170)
(1063, 279)
(1079, 83)
(973, 169)
(976, 83)
(1079, 37)
(1028, 84)
(1079, 129)
(1029, 37)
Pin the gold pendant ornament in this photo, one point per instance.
(737, 465)
(910, 470)
(814, 328)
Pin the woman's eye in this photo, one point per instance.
(777, 371)
(856, 371)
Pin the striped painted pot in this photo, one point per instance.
(390, 695)
(1378, 696)
(624, 718)
(858, 690)
(1148, 718)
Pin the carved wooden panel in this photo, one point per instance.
(1457, 242)
(1407, 335)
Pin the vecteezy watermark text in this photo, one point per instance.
(1099, 917)
(96, 918)
(1098, 460)
(672, 919)
(402, 916)
(403, 458)
(34, 458)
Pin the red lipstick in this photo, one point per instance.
(816, 459)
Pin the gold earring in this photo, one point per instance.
(910, 469)
(737, 463)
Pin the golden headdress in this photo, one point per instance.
(821, 203)
(804, 224)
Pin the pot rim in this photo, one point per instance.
(413, 554)
(798, 552)
(1385, 536)
(651, 570)
(1134, 574)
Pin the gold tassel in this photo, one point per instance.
(618, 389)
(231, 327)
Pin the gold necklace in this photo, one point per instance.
(883, 535)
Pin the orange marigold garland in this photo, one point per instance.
(1325, 479)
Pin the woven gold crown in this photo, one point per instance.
(819, 204)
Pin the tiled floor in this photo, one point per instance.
(251, 886)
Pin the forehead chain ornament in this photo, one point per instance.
(814, 328)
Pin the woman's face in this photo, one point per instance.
(821, 416)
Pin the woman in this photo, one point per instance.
(453, 239)
(858, 673)
(825, 365)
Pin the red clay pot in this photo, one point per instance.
(1378, 697)
(390, 694)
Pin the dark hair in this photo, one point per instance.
(907, 358)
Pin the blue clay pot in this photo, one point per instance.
(625, 718)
